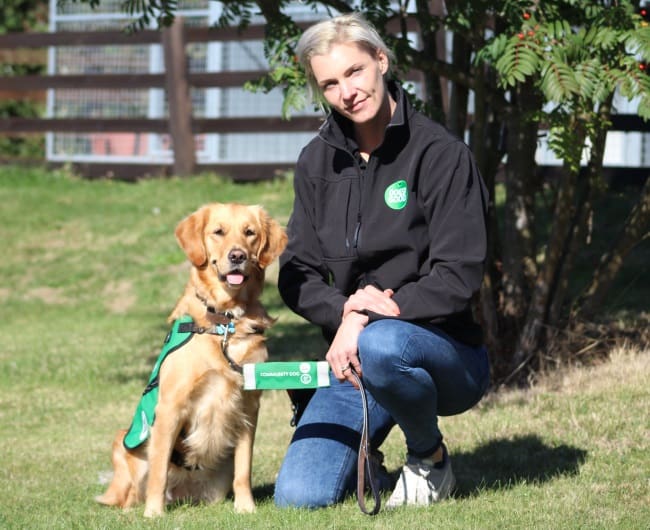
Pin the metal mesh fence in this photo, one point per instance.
(152, 103)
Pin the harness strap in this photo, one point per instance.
(364, 461)
(183, 329)
(225, 330)
(144, 415)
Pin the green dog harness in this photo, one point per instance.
(183, 329)
(144, 416)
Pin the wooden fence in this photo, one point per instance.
(181, 125)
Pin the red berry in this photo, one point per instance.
(526, 16)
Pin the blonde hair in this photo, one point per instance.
(350, 28)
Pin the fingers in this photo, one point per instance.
(347, 374)
(355, 365)
(355, 368)
(372, 299)
(342, 354)
(380, 301)
(342, 369)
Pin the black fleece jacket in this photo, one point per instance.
(411, 219)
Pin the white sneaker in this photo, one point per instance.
(421, 483)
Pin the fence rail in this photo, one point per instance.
(198, 80)
(111, 38)
(161, 125)
(181, 125)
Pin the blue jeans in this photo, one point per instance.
(412, 375)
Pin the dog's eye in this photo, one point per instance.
(218, 232)
(249, 232)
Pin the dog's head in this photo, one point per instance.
(235, 240)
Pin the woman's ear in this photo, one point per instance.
(384, 62)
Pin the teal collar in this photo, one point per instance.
(224, 326)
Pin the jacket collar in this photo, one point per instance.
(337, 129)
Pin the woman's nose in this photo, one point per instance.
(347, 89)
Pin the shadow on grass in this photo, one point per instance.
(263, 492)
(501, 464)
(296, 342)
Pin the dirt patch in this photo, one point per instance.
(47, 295)
(119, 297)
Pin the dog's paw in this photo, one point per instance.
(102, 499)
(246, 505)
(151, 511)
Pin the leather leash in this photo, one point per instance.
(364, 461)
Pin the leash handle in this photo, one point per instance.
(364, 462)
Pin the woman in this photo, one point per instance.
(386, 246)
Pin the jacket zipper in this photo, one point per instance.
(357, 229)
(347, 238)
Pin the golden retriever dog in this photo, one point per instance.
(200, 445)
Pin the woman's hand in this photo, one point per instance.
(343, 353)
(372, 299)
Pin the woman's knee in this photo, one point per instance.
(316, 470)
(380, 349)
(296, 492)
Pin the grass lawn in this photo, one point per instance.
(90, 270)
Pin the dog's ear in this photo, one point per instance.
(189, 234)
(274, 239)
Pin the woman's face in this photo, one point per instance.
(352, 81)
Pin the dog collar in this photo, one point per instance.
(218, 329)
(225, 327)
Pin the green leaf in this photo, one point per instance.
(558, 82)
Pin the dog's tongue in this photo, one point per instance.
(235, 278)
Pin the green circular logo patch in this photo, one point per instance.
(396, 195)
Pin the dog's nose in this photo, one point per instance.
(236, 256)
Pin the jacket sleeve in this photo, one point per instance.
(453, 198)
(303, 281)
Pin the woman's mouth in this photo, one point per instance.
(356, 106)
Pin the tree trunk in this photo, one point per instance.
(457, 112)
(484, 142)
(545, 284)
(430, 48)
(580, 232)
(519, 253)
(634, 231)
